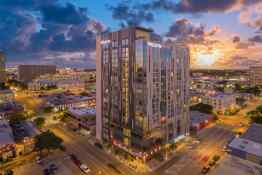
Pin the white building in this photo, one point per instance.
(220, 101)
(39, 84)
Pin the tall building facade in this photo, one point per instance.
(142, 89)
(26, 73)
(2, 67)
(255, 75)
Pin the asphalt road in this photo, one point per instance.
(188, 161)
(191, 160)
(92, 156)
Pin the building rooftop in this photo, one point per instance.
(254, 133)
(6, 133)
(247, 146)
(82, 112)
(67, 99)
(198, 117)
(6, 139)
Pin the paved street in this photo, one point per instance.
(95, 158)
(191, 160)
(240, 122)
(188, 161)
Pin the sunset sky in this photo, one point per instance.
(220, 33)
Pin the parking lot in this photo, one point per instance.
(64, 165)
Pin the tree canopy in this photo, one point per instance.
(40, 121)
(256, 115)
(18, 117)
(204, 108)
(48, 140)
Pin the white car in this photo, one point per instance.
(84, 168)
(38, 160)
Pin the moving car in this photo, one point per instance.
(84, 168)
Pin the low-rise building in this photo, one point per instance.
(249, 145)
(75, 86)
(10, 108)
(6, 95)
(63, 102)
(25, 133)
(85, 115)
(7, 143)
(38, 85)
(220, 101)
(199, 120)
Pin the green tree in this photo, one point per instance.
(259, 108)
(48, 141)
(8, 172)
(255, 115)
(240, 101)
(48, 109)
(3, 86)
(204, 108)
(40, 121)
(16, 118)
(216, 158)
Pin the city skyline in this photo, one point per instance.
(224, 34)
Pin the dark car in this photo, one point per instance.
(53, 167)
(205, 170)
(75, 159)
(46, 172)
(99, 145)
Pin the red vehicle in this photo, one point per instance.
(205, 159)
(75, 159)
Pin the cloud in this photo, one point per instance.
(238, 61)
(184, 30)
(15, 29)
(252, 15)
(67, 14)
(130, 15)
(192, 6)
(236, 39)
(46, 29)
(256, 39)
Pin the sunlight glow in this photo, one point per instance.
(207, 58)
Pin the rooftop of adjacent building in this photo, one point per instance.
(83, 111)
(67, 99)
(6, 134)
(254, 133)
(250, 141)
(198, 117)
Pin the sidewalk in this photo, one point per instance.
(19, 161)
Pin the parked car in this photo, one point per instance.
(75, 159)
(53, 167)
(38, 160)
(205, 170)
(84, 168)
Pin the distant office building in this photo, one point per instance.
(255, 75)
(2, 67)
(26, 73)
(142, 90)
